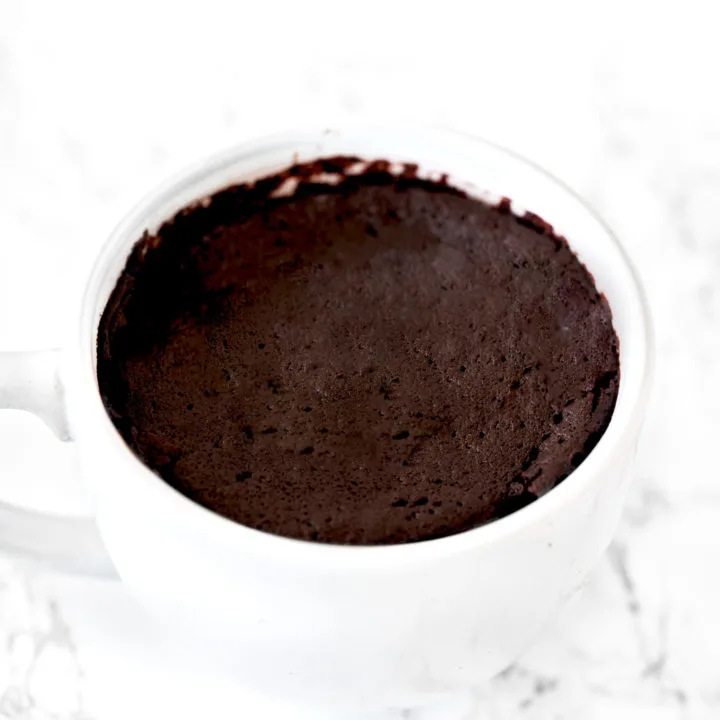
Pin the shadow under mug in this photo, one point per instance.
(405, 630)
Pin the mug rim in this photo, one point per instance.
(627, 413)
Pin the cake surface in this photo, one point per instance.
(381, 360)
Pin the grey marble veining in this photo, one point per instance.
(86, 127)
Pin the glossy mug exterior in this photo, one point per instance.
(367, 628)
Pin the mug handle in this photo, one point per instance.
(31, 381)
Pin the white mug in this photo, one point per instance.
(403, 630)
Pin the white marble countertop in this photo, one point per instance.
(99, 102)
